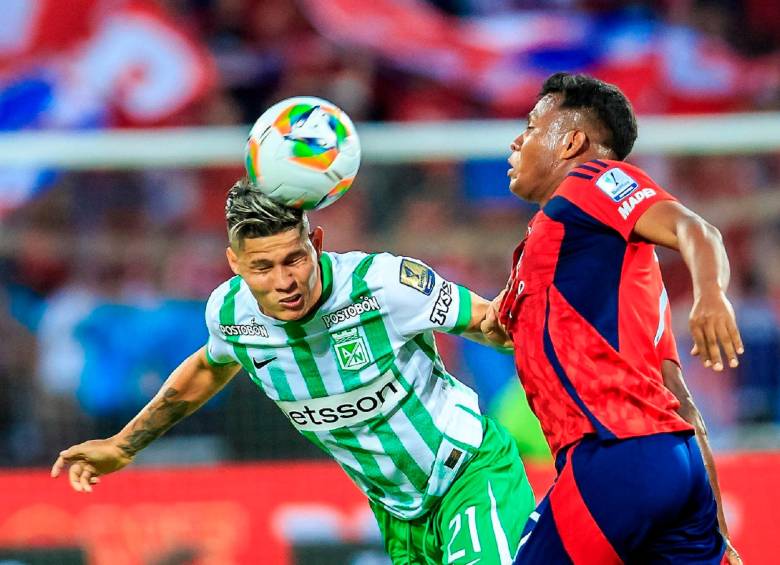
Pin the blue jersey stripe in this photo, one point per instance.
(599, 163)
(589, 168)
(552, 357)
(579, 175)
(590, 264)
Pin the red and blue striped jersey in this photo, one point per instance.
(587, 310)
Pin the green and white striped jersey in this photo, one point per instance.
(360, 375)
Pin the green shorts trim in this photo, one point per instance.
(479, 520)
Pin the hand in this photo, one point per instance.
(88, 461)
(732, 557)
(713, 325)
(491, 327)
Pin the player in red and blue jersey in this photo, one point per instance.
(585, 308)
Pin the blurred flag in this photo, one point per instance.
(502, 59)
(87, 64)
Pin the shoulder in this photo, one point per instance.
(220, 295)
(388, 271)
(606, 179)
(344, 262)
(604, 192)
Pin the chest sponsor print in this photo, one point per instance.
(250, 329)
(367, 304)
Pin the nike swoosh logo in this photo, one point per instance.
(477, 560)
(263, 363)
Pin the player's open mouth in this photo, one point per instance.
(293, 302)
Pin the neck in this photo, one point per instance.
(565, 167)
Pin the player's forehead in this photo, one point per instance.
(273, 247)
(545, 108)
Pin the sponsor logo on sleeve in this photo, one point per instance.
(417, 276)
(250, 329)
(366, 304)
(442, 306)
(350, 408)
(628, 206)
(616, 184)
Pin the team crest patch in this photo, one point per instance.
(417, 276)
(616, 184)
(351, 350)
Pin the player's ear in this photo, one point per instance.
(232, 259)
(316, 237)
(574, 143)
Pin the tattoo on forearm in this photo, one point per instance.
(162, 415)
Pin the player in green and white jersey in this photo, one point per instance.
(343, 343)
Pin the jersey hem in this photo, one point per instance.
(464, 311)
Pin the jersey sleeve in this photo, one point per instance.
(617, 195)
(219, 351)
(667, 345)
(418, 299)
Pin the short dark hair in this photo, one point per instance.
(250, 213)
(609, 104)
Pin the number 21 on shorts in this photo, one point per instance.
(457, 539)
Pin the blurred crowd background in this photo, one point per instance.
(104, 274)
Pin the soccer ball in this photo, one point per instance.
(303, 152)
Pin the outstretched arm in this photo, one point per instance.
(673, 379)
(712, 322)
(484, 327)
(189, 386)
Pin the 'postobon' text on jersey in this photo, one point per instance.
(360, 375)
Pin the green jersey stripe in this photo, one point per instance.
(464, 311)
(227, 316)
(304, 358)
(419, 339)
(373, 474)
(280, 384)
(382, 349)
(308, 367)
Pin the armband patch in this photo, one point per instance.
(417, 276)
(616, 184)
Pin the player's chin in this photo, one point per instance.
(516, 187)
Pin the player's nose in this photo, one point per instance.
(516, 144)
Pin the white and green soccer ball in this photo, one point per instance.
(303, 152)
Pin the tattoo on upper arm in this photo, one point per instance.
(163, 414)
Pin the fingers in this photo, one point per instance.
(736, 337)
(85, 480)
(728, 345)
(699, 344)
(490, 326)
(57, 467)
(713, 350)
(716, 339)
(82, 476)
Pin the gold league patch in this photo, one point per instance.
(417, 276)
